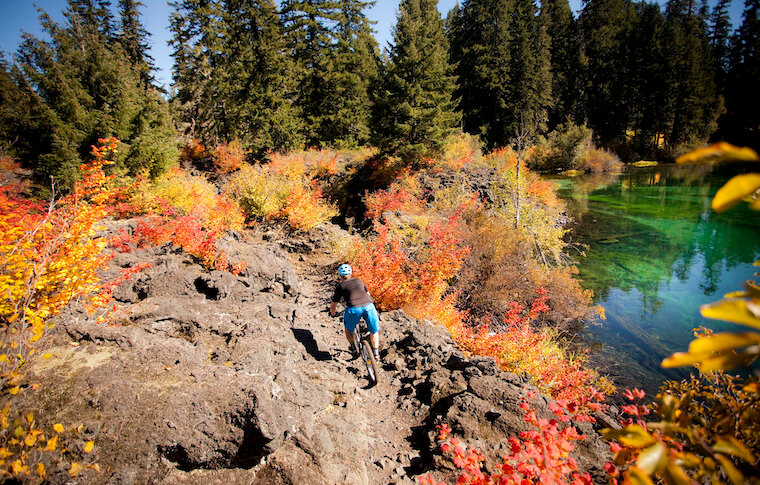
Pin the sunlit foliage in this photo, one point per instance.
(539, 455)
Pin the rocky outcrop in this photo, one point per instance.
(206, 377)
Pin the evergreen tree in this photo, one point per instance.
(134, 39)
(691, 94)
(741, 124)
(259, 85)
(199, 67)
(79, 87)
(415, 111)
(648, 110)
(503, 58)
(310, 27)
(720, 34)
(352, 67)
(605, 27)
(565, 61)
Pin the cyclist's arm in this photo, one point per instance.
(332, 308)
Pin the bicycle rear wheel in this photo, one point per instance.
(369, 361)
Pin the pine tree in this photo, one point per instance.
(691, 91)
(503, 58)
(259, 87)
(199, 67)
(310, 32)
(415, 111)
(720, 33)
(648, 110)
(79, 87)
(565, 61)
(134, 39)
(741, 123)
(352, 67)
(605, 27)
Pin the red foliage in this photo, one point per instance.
(397, 279)
(399, 196)
(539, 455)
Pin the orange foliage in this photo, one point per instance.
(396, 279)
(403, 195)
(312, 164)
(193, 150)
(229, 157)
(185, 211)
(520, 348)
(52, 254)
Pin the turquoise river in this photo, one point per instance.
(654, 252)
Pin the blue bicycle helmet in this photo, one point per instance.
(344, 270)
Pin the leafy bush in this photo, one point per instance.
(229, 157)
(599, 160)
(51, 256)
(570, 147)
(540, 455)
(459, 150)
(402, 195)
(266, 193)
(185, 210)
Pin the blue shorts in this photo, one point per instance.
(352, 315)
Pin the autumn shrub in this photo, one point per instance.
(599, 160)
(402, 195)
(398, 277)
(522, 348)
(229, 157)
(186, 211)
(562, 149)
(51, 255)
(459, 150)
(312, 163)
(539, 455)
(193, 150)
(704, 430)
(264, 193)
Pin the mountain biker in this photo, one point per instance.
(359, 304)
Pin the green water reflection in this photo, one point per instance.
(655, 252)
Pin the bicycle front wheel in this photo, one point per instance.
(369, 361)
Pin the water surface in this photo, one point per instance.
(654, 252)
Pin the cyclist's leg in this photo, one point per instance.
(351, 318)
(370, 316)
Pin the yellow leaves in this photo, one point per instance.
(58, 428)
(735, 190)
(75, 469)
(41, 470)
(14, 390)
(634, 436)
(719, 152)
(89, 446)
(731, 446)
(652, 458)
(17, 467)
(52, 443)
(716, 351)
(732, 310)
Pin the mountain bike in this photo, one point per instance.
(363, 348)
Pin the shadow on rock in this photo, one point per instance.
(306, 338)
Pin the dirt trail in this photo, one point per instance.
(390, 455)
